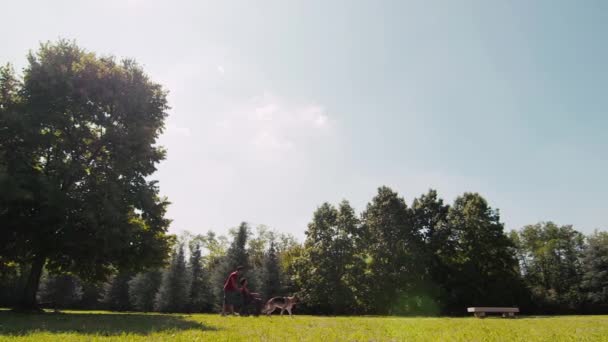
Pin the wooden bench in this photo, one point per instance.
(480, 312)
(49, 305)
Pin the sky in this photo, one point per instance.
(279, 106)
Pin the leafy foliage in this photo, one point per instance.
(394, 250)
(326, 270)
(77, 145)
(482, 268)
(595, 268)
(550, 258)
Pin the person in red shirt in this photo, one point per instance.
(232, 295)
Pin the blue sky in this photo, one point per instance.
(281, 105)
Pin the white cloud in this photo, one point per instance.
(321, 120)
(129, 4)
(265, 112)
(223, 124)
(248, 150)
(135, 3)
(268, 140)
(315, 114)
(176, 130)
(266, 125)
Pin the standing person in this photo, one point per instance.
(232, 295)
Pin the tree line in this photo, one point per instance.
(426, 258)
(82, 223)
(191, 281)
(435, 258)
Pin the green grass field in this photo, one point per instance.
(104, 326)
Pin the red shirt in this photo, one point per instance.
(230, 284)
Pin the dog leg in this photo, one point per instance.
(282, 309)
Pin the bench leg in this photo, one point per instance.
(480, 314)
(508, 314)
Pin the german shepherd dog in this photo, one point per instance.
(283, 303)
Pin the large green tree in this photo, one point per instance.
(550, 256)
(595, 268)
(78, 137)
(320, 268)
(312, 271)
(429, 216)
(394, 253)
(347, 250)
(289, 252)
(481, 266)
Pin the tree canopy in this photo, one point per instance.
(78, 139)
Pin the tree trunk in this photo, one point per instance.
(28, 299)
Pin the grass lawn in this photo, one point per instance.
(104, 326)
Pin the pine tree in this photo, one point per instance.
(63, 290)
(117, 292)
(200, 296)
(173, 293)
(257, 249)
(237, 253)
(271, 279)
(143, 288)
(92, 295)
(11, 282)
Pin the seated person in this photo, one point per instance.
(250, 298)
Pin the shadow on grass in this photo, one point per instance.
(104, 324)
